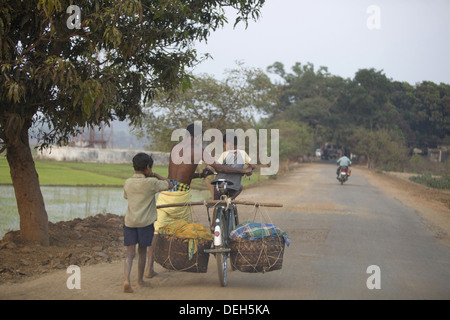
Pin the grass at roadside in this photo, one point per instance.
(432, 182)
(55, 173)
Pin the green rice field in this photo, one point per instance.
(54, 173)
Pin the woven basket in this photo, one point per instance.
(172, 253)
(262, 255)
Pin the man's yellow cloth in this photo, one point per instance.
(172, 214)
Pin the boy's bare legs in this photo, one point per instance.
(131, 251)
(142, 251)
(149, 271)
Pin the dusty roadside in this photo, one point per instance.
(432, 204)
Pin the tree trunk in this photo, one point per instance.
(30, 203)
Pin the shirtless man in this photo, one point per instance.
(185, 172)
(181, 174)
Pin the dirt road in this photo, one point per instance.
(337, 232)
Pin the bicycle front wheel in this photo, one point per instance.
(222, 257)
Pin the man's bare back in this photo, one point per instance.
(184, 172)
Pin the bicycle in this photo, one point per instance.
(225, 220)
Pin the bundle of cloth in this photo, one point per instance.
(192, 232)
(256, 231)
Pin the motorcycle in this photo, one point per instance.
(343, 174)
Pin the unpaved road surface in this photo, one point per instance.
(336, 233)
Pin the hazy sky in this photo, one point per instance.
(409, 39)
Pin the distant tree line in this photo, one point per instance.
(369, 115)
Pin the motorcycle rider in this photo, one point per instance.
(343, 162)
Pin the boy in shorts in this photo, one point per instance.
(140, 190)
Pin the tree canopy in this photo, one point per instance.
(123, 52)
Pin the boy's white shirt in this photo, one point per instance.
(243, 154)
(224, 155)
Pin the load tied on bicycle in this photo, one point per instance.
(180, 244)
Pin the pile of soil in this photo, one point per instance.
(80, 242)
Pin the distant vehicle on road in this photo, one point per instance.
(318, 153)
(331, 151)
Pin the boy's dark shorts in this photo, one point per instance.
(143, 236)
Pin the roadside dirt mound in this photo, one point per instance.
(93, 240)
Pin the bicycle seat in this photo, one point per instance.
(223, 181)
(222, 185)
